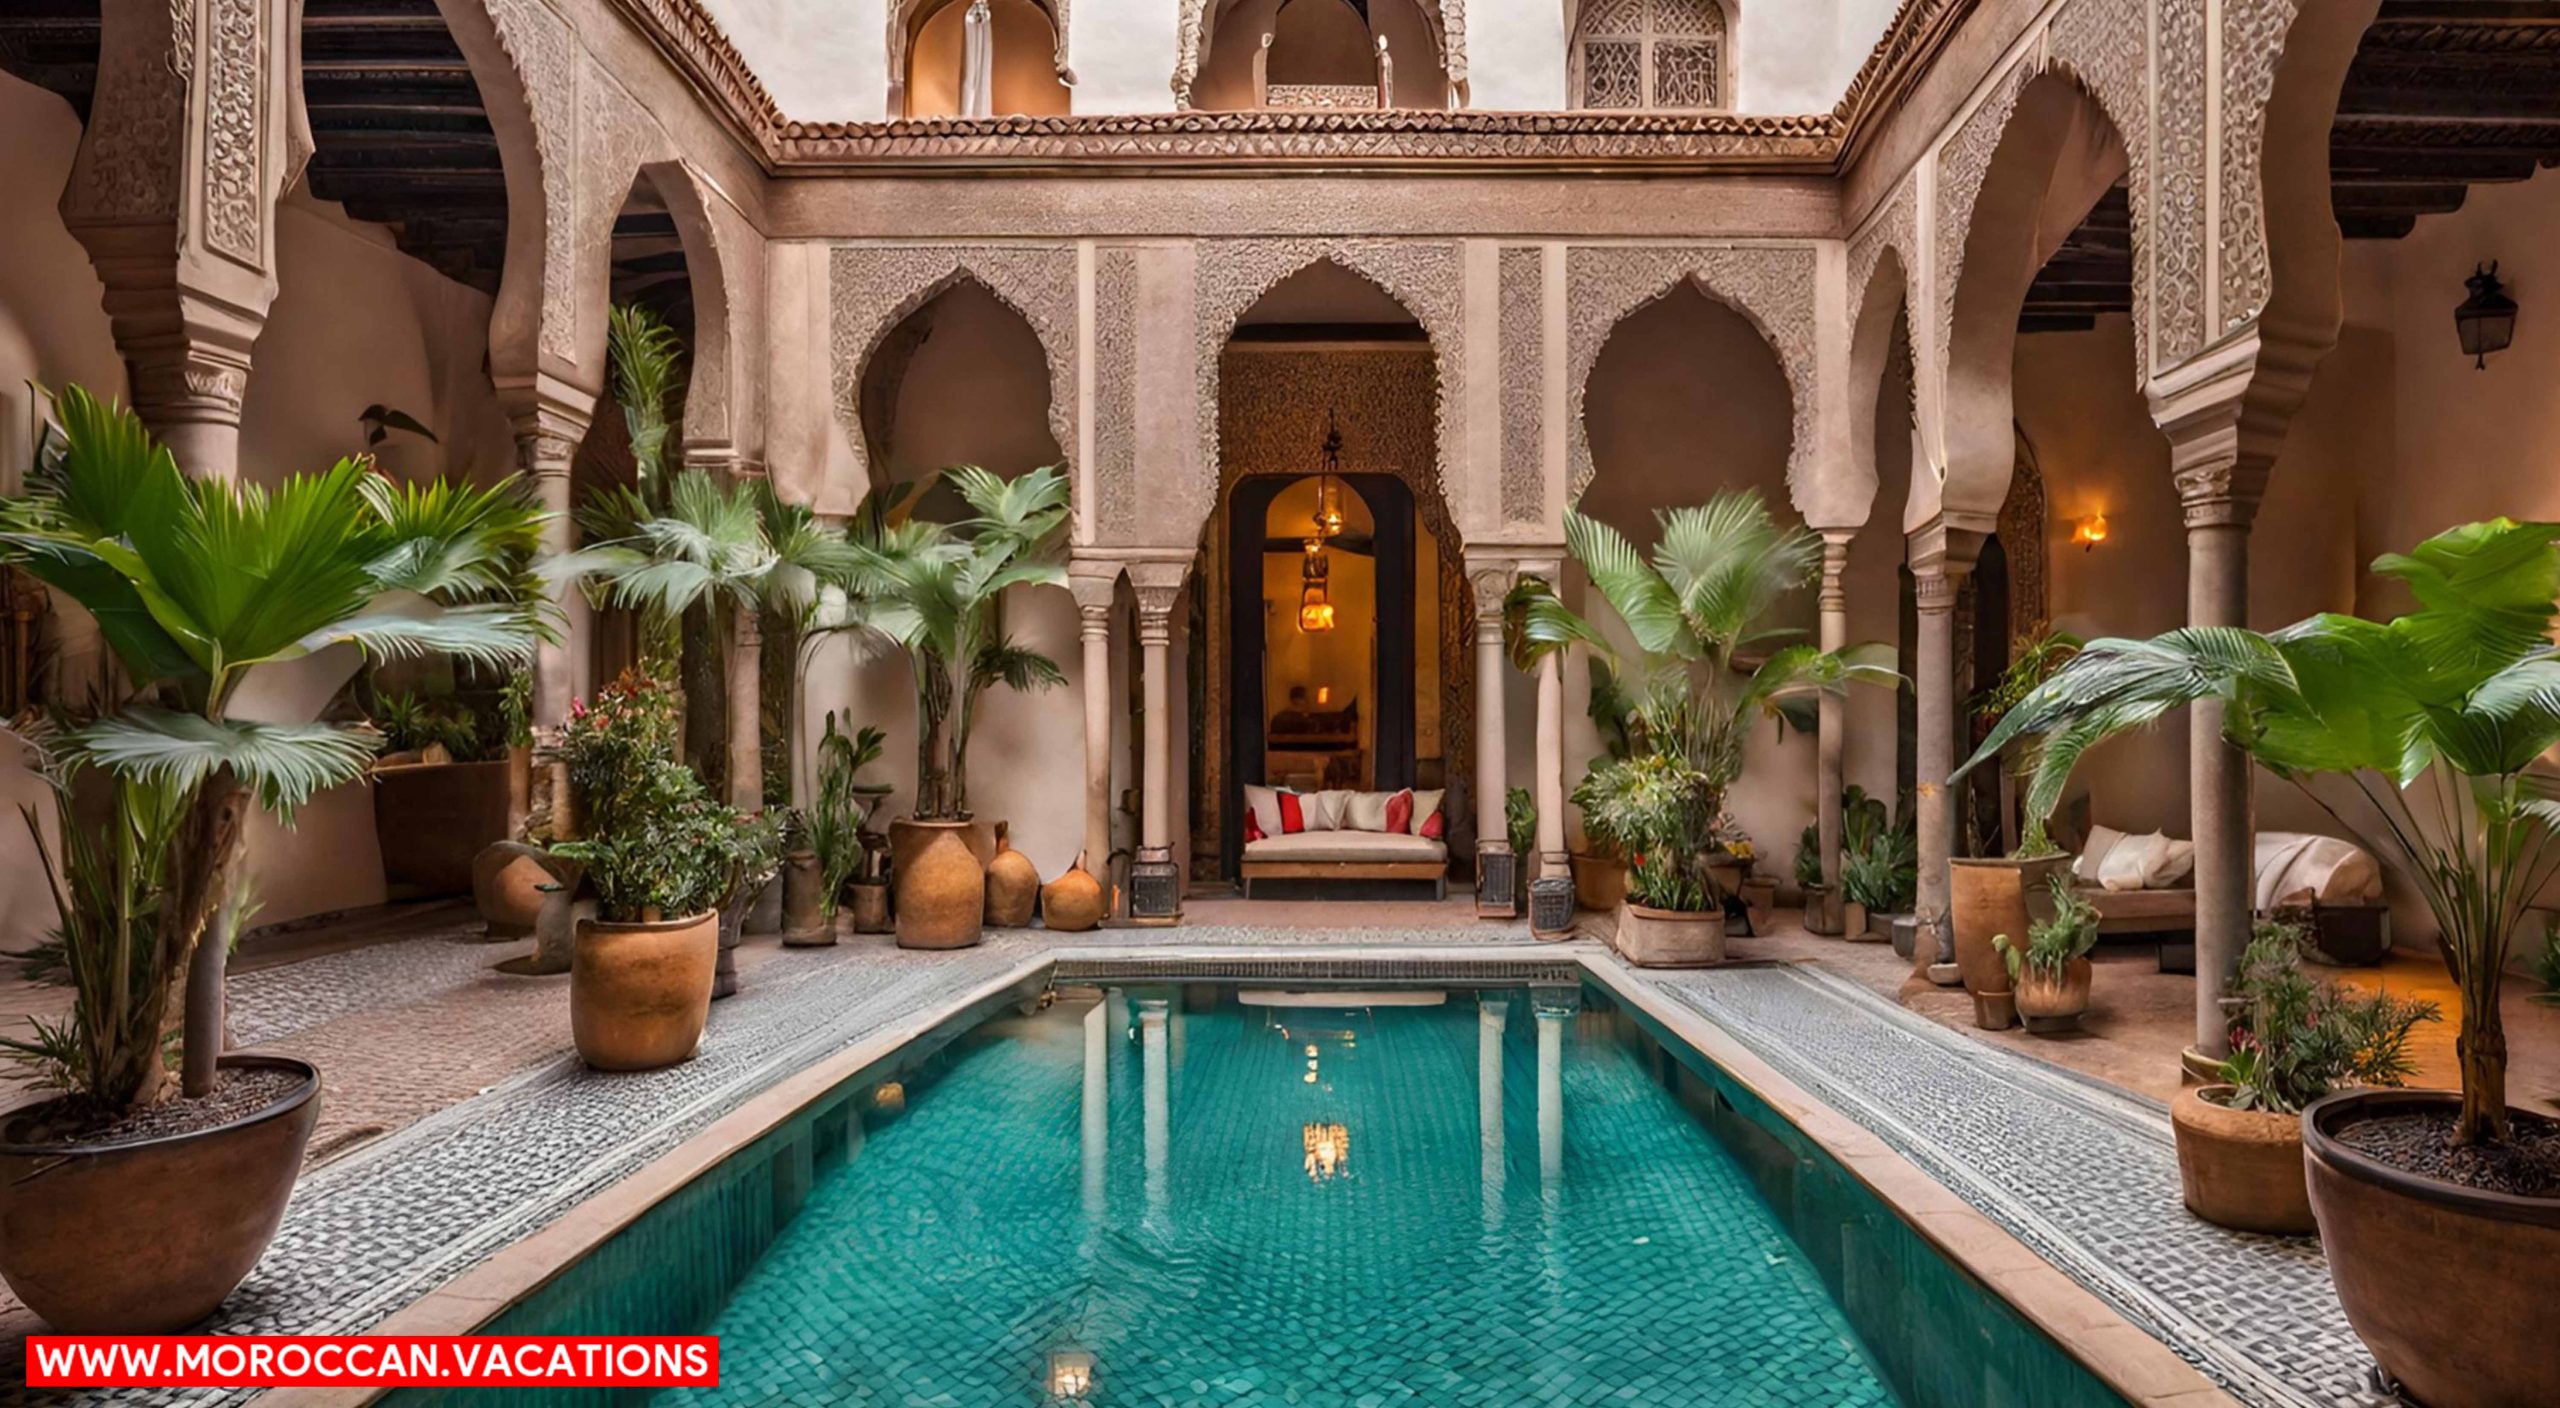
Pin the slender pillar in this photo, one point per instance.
(1154, 1092)
(1492, 1016)
(746, 711)
(1093, 587)
(1936, 575)
(1552, 858)
(547, 439)
(1497, 869)
(1831, 741)
(2220, 795)
(1551, 1022)
(1156, 883)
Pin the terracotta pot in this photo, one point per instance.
(1822, 914)
(1996, 896)
(507, 884)
(1853, 920)
(639, 994)
(2456, 1291)
(1879, 926)
(2053, 1002)
(2240, 1168)
(869, 902)
(148, 1238)
(804, 916)
(1599, 882)
(1013, 884)
(432, 819)
(1072, 903)
(1665, 938)
(938, 884)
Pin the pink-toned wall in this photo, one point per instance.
(355, 322)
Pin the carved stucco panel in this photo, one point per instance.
(1426, 277)
(1115, 390)
(2253, 36)
(1772, 286)
(1523, 330)
(1897, 229)
(1963, 164)
(538, 44)
(2106, 45)
(234, 154)
(1446, 20)
(129, 155)
(871, 289)
(2177, 272)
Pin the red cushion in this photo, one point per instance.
(1252, 825)
(1400, 813)
(1293, 814)
(1435, 825)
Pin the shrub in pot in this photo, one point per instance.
(832, 830)
(2293, 1041)
(2440, 1214)
(934, 590)
(137, 1200)
(660, 857)
(2049, 973)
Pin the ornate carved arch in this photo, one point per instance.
(1233, 275)
(1770, 286)
(709, 408)
(872, 289)
(1195, 25)
(530, 88)
(907, 16)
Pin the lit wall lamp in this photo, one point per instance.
(2487, 319)
(2090, 531)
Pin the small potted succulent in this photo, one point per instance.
(2049, 973)
(2293, 1040)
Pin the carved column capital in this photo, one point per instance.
(1094, 583)
(1835, 569)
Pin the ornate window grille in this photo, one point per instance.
(1650, 54)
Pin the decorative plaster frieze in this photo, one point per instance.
(2105, 44)
(872, 288)
(1772, 286)
(1897, 229)
(1523, 331)
(537, 43)
(2178, 215)
(234, 150)
(1963, 164)
(1115, 390)
(2253, 36)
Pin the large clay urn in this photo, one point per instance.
(1072, 903)
(804, 911)
(148, 1237)
(1992, 897)
(938, 883)
(2456, 1291)
(2240, 1168)
(1667, 938)
(1013, 884)
(639, 993)
(508, 880)
(1599, 882)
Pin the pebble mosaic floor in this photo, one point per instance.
(2082, 1173)
(945, 1265)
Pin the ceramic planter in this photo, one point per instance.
(2240, 1168)
(1992, 897)
(1822, 914)
(1666, 938)
(804, 911)
(1760, 897)
(1072, 903)
(508, 882)
(432, 819)
(149, 1237)
(1599, 882)
(640, 993)
(1853, 919)
(2452, 1289)
(869, 901)
(938, 883)
(2053, 1002)
(1013, 884)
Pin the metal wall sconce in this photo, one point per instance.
(2486, 320)
(2088, 532)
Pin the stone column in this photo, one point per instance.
(1493, 1015)
(1094, 585)
(1552, 857)
(746, 710)
(1496, 867)
(1832, 740)
(1156, 882)
(1154, 1099)
(1940, 558)
(2220, 795)
(547, 436)
(1552, 1017)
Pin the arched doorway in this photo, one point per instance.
(1326, 358)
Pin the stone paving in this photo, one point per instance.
(492, 1129)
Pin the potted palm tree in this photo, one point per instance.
(932, 590)
(1695, 608)
(2422, 736)
(2006, 894)
(2293, 1040)
(137, 1199)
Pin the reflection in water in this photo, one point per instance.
(1151, 1040)
(1493, 1014)
(1097, 1111)
(1551, 1024)
(1328, 1150)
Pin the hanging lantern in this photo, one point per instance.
(1315, 602)
(2486, 320)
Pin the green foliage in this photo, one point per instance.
(515, 710)
(2293, 1039)
(2431, 725)
(2052, 943)
(2546, 964)
(1520, 821)
(833, 825)
(1809, 855)
(1882, 872)
(1660, 812)
(409, 722)
(933, 590)
(651, 841)
(647, 360)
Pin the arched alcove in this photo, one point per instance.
(1024, 63)
(1321, 53)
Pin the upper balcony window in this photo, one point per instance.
(1651, 54)
(975, 58)
(1321, 54)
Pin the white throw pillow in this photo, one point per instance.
(1264, 803)
(2129, 863)
(1367, 811)
(2176, 859)
(1336, 806)
(2102, 839)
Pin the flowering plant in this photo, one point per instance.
(654, 845)
(2294, 1039)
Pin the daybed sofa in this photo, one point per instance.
(2144, 885)
(1341, 835)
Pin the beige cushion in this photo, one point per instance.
(2102, 839)
(2129, 862)
(1345, 846)
(1337, 809)
(2177, 860)
(1313, 809)
(1424, 804)
(1366, 811)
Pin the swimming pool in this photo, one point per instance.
(1205, 1194)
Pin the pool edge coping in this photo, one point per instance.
(2129, 1360)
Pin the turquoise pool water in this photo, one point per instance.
(1177, 1196)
